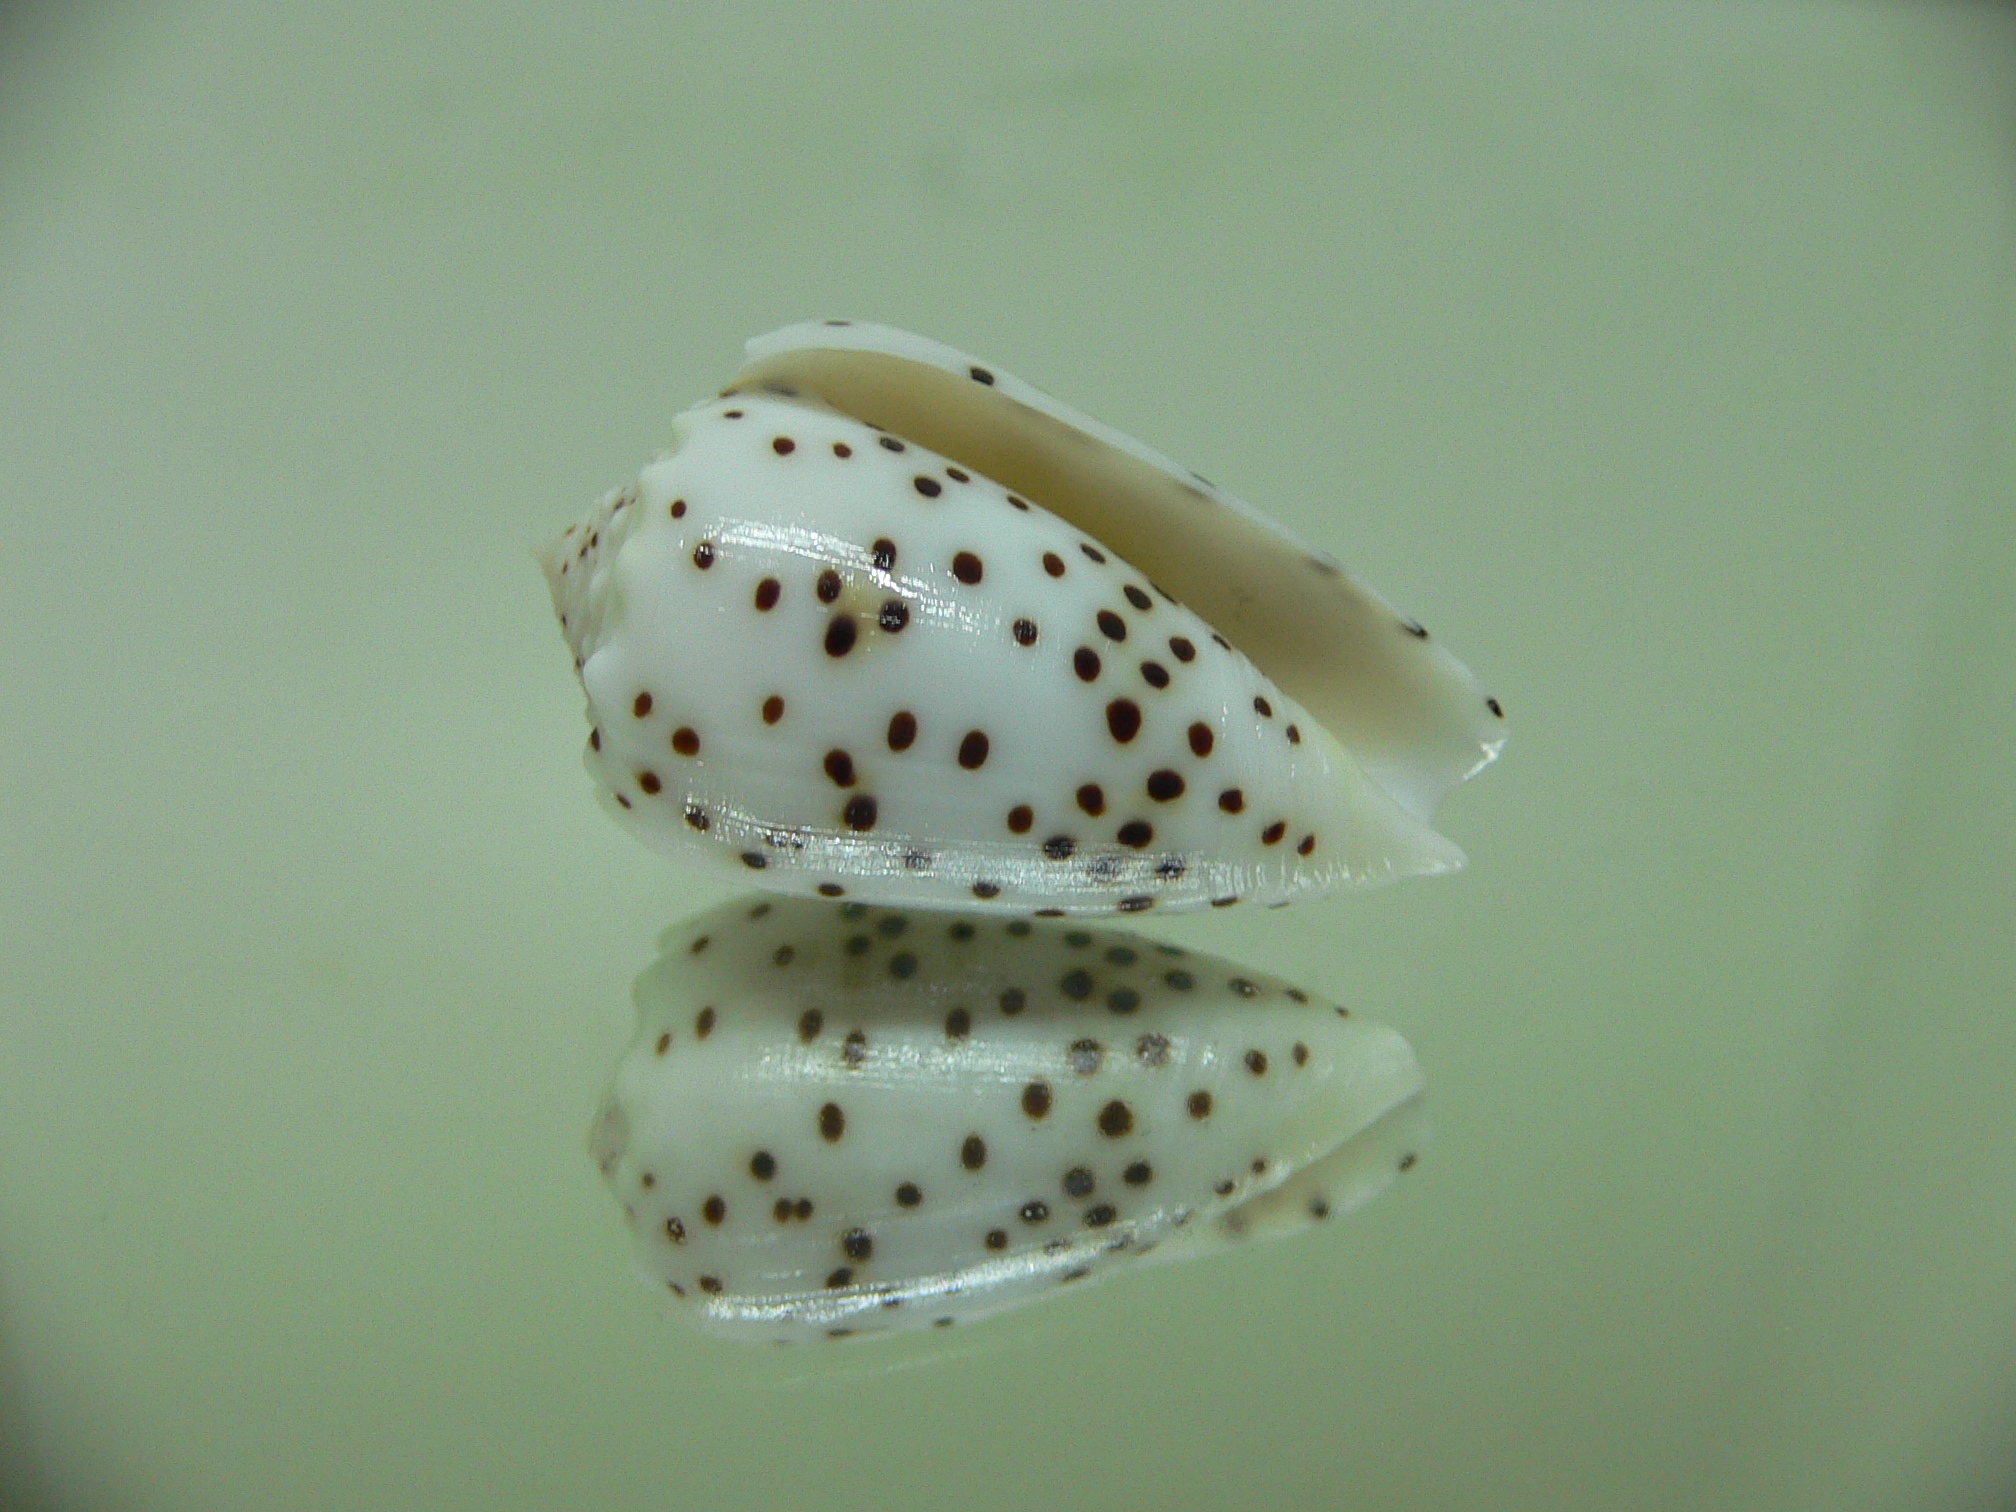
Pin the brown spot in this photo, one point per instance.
(685, 741)
(1099, 1215)
(986, 889)
(966, 567)
(902, 730)
(675, 1231)
(810, 1022)
(595, 740)
(927, 486)
(840, 767)
(1419, 632)
(1136, 833)
(641, 705)
(1093, 552)
(1116, 1119)
(1137, 598)
(1123, 1000)
(857, 1244)
(827, 586)
(842, 449)
(703, 555)
(714, 1210)
(755, 860)
(767, 592)
(997, 1239)
(958, 1024)
(697, 817)
(831, 890)
(1053, 564)
(1232, 800)
(1155, 674)
(711, 1285)
(1263, 708)
(1165, 786)
(1138, 1174)
(1407, 1161)
(1256, 1062)
(1135, 904)
(973, 1152)
(973, 750)
(832, 1123)
(840, 635)
(649, 781)
(1112, 626)
(1078, 1182)
(762, 1165)
(783, 446)
(1301, 1053)
(1495, 707)
(1036, 1099)
(1020, 818)
(1273, 833)
(893, 616)
(1085, 662)
(1123, 719)
(773, 709)
(1012, 1001)
(838, 1277)
(1024, 631)
(1035, 1210)
(907, 1195)
(1294, 735)
(980, 375)
(890, 443)
(1305, 845)
(1059, 847)
(956, 475)
(1199, 1104)
(883, 553)
(1182, 648)
(903, 966)
(1092, 799)
(664, 1042)
(678, 509)
(703, 1023)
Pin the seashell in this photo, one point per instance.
(840, 1120)
(886, 622)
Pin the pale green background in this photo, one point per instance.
(1659, 358)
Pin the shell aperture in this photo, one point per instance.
(840, 1120)
(844, 638)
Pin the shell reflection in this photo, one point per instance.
(842, 1119)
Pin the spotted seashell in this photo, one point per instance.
(887, 623)
(855, 1119)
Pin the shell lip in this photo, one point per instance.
(1414, 716)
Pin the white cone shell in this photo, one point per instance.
(927, 730)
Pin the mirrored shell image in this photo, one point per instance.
(848, 1120)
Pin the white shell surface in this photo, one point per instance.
(1409, 711)
(827, 659)
(839, 1120)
